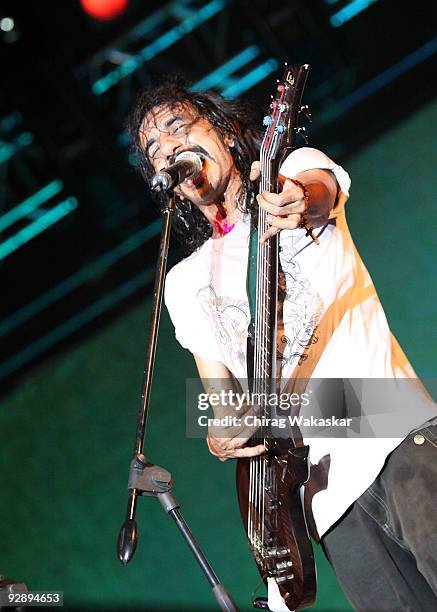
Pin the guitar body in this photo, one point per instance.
(269, 486)
(286, 553)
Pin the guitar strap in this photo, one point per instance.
(252, 270)
(251, 276)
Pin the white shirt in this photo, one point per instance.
(334, 325)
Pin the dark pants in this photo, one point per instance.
(384, 550)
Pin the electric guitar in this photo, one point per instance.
(269, 486)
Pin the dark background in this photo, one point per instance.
(367, 74)
(77, 262)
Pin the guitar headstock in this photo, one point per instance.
(282, 124)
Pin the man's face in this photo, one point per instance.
(168, 130)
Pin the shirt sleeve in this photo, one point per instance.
(192, 328)
(307, 158)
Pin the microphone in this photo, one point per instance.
(187, 165)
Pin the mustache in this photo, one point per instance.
(194, 149)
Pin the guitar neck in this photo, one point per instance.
(269, 485)
(279, 139)
(267, 292)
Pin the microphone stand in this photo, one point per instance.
(148, 479)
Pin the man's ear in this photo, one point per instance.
(229, 141)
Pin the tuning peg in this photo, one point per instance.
(305, 110)
(302, 131)
(280, 128)
(267, 120)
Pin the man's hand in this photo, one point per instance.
(228, 442)
(285, 209)
(232, 448)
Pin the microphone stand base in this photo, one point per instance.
(147, 479)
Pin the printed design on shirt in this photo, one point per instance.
(230, 320)
(302, 308)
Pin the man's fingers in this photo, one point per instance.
(268, 234)
(290, 222)
(227, 442)
(287, 209)
(249, 451)
(230, 448)
(281, 199)
(240, 453)
(254, 171)
(278, 223)
(236, 453)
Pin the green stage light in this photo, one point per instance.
(221, 74)
(86, 274)
(8, 149)
(349, 11)
(76, 322)
(30, 204)
(251, 78)
(131, 64)
(36, 227)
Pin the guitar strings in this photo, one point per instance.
(254, 460)
(266, 248)
(258, 471)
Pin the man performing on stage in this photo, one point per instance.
(375, 518)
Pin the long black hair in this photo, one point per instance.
(230, 118)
